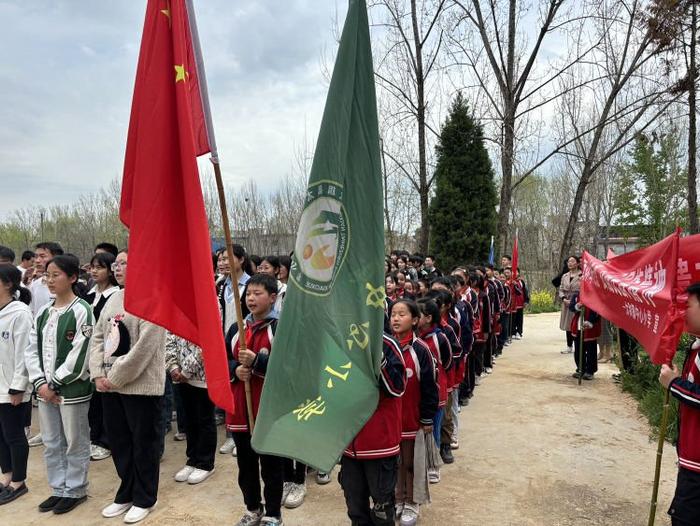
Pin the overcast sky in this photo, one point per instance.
(67, 78)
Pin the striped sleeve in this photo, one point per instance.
(76, 363)
(686, 392)
(393, 372)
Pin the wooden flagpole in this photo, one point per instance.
(659, 456)
(204, 93)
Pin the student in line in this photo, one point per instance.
(15, 389)
(57, 363)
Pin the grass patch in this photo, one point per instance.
(541, 301)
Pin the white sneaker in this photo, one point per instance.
(323, 478)
(271, 521)
(199, 475)
(99, 452)
(286, 488)
(35, 440)
(488, 370)
(433, 476)
(296, 496)
(409, 517)
(568, 350)
(454, 444)
(184, 474)
(179, 437)
(136, 514)
(114, 510)
(227, 447)
(250, 518)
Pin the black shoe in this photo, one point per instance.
(446, 454)
(576, 374)
(587, 376)
(464, 402)
(9, 494)
(68, 503)
(49, 504)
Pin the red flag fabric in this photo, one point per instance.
(514, 260)
(170, 280)
(636, 291)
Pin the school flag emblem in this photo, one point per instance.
(321, 384)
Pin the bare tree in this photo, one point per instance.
(406, 71)
(626, 90)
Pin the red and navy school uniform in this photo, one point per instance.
(381, 435)
(590, 338)
(420, 399)
(369, 466)
(441, 350)
(685, 507)
(450, 327)
(522, 296)
(259, 337)
(482, 328)
(464, 317)
(466, 303)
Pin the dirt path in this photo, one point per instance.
(535, 450)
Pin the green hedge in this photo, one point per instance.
(643, 384)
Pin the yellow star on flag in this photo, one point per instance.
(180, 73)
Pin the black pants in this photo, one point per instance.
(98, 435)
(685, 508)
(294, 471)
(365, 479)
(199, 426)
(467, 387)
(14, 449)
(518, 322)
(569, 339)
(504, 336)
(134, 425)
(590, 356)
(489, 350)
(250, 467)
(479, 348)
(28, 413)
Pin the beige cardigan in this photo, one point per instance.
(141, 371)
(570, 285)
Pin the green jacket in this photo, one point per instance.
(70, 362)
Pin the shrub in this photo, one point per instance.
(541, 301)
(643, 384)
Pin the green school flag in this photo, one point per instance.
(322, 383)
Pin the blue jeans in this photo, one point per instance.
(437, 424)
(66, 434)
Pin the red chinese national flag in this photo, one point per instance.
(170, 278)
(637, 292)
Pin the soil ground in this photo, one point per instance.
(535, 450)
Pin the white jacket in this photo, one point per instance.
(15, 325)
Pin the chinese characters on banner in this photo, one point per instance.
(636, 291)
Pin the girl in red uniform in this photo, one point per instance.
(419, 404)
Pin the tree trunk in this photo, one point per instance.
(387, 216)
(507, 147)
(420, 119)
(692, 132)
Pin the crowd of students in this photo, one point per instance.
(105, 381)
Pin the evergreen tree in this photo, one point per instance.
(463, 211)
(651, 194)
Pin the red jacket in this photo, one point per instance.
(687, 390)
(441, 350)
(420, 399)
(259, 336)
(381, 435)
(588, 334)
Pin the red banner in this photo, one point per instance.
(637, 292)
